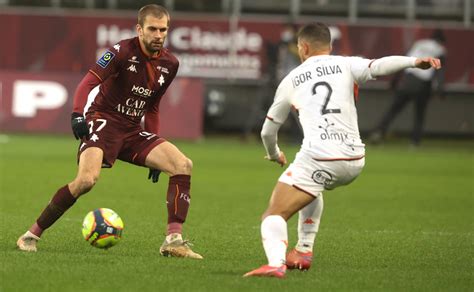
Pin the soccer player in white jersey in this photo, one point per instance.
(322, 89)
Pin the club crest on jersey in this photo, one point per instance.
(161, 80)
(94, 138)
(105, 59)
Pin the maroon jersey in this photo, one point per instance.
(132, 83)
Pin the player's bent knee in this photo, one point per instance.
(266, 214)
(183, 166)
(85, 183)
(271, 211)
(188, 165)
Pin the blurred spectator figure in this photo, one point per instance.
(417, 86)
(282, 57)
(288, 58)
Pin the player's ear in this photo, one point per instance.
(306, 48)
(139, 30)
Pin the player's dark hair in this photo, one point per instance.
(155, 10)
(315, 33)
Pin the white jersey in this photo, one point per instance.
(322, 90)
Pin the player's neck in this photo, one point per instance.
(317, 53)
(320, 53)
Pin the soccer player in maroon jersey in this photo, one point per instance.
(133, 76)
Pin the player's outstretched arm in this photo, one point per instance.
(392, 64)
(427, 63)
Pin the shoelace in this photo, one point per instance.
(29, 239)
(187, 243)
(181, 242)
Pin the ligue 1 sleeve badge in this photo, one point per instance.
(105, 59)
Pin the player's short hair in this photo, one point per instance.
(155, 10)
(316, 34)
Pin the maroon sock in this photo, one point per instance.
(174, 228)
(178, 199)
(61, 201)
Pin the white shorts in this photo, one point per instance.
(312, 176)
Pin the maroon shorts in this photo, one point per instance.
(119, 141)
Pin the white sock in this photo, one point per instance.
(308, 224)
(173, 236)
(275, 239)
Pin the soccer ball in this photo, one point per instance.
(102, 228)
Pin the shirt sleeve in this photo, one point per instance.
(360, 69)
(281, 106)
(109, 63)
(269, 136)
(82, 92)
(390, 64)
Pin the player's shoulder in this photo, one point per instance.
(130, 45)
(168, 56)
(124, 47)
(349, 59)
(356, 61)
(339, 60)
(324, 59)
(328, 61)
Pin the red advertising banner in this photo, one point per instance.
(33, 102)
(207, 46)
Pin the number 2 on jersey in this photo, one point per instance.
(325, 110)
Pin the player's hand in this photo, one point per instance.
(154, 175)
(427, 63)
(280, 160)
(79, 126)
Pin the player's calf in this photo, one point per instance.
(177, 201)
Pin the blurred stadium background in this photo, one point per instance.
(230, 54)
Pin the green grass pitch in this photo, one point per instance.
(406, 224)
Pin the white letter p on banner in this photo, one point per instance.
(30, 96)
